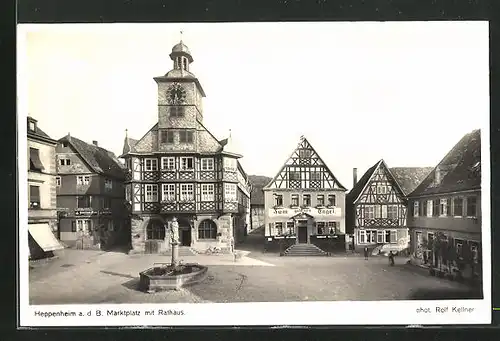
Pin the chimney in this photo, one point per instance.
(354, 176)
(95, 143)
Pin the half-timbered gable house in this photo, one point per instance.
(376, 209)
(180, 169)
(304, 203)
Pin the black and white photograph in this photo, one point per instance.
(176, 173)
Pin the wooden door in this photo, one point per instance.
(302, 234)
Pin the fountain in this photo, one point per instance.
(173, 275)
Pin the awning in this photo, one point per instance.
(44, 237)
(35, 161)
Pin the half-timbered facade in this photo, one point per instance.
(376, 210)
(91, 194)
(304, 202)
(179, 169)
(446, 208)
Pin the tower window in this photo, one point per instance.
(185, 136)
(176, 111)
(167, 136)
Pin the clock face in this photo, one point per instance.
(176, 94)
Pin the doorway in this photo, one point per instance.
(302, 234)
(185, 235)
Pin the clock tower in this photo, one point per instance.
(180, 94)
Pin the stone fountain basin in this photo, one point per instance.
(161, 278)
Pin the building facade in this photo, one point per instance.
(377, 205)
(446, 207)
(42, 212)
(257, 208)
(305, 203)
(179, 169)
(91, 195)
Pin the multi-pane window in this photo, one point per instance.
(415, 208)
(176, 111)
(185, 136)
(278, 200)
(207, 230)
(168, 192)
(458, 207)
(321, 227)
(435, 207)
(381, 211)
(84, 226)
(381, 189)
(290, 227)
(369, 212)
(394, 236)
(64, 162)
(278, 228)
(362, 236)
(230, 192)
(167, 136)
(315, 176)
(108, 184)
(392, 211)
(168, 163)
(230, 163)
(83, 201)
(294, 175)
(304, 153)
(306, 200)
(443, 207)
(332, 227)
(187, 163)
(380, 236)
(295, 200)
(187, 192)
(429, 208)
(83, 180)
(424, 208)
(150, 165)
(331, 200)
(320, 198)
(471, 206)
(151, 193)
(207, 192)
(371, 236)
(207, 164)
(34, 197)
(58, 181)
(459, 248)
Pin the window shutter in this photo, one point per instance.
(448, 207)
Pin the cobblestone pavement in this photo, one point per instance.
(113, 277)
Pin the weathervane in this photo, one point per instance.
(181, 36)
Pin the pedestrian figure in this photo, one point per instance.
(366, 253)
(391, 259)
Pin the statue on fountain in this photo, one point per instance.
(174, 240)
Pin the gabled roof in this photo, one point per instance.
(304, 142)
(39, 133)
(360, 186)
(257, 195)
(459, 170)
(410, 177)
(100, 160)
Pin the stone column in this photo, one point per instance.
(174, 241)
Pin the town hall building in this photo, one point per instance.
(304, 205)
(179, 169)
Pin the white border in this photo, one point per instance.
(338, 313)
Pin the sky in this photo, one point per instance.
(359, 92)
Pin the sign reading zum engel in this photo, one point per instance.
(290, 212)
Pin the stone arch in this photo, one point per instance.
(207, 229)
(155, 228)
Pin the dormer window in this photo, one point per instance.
(32, 126)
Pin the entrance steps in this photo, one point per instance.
(304, 250)
(186, 251)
